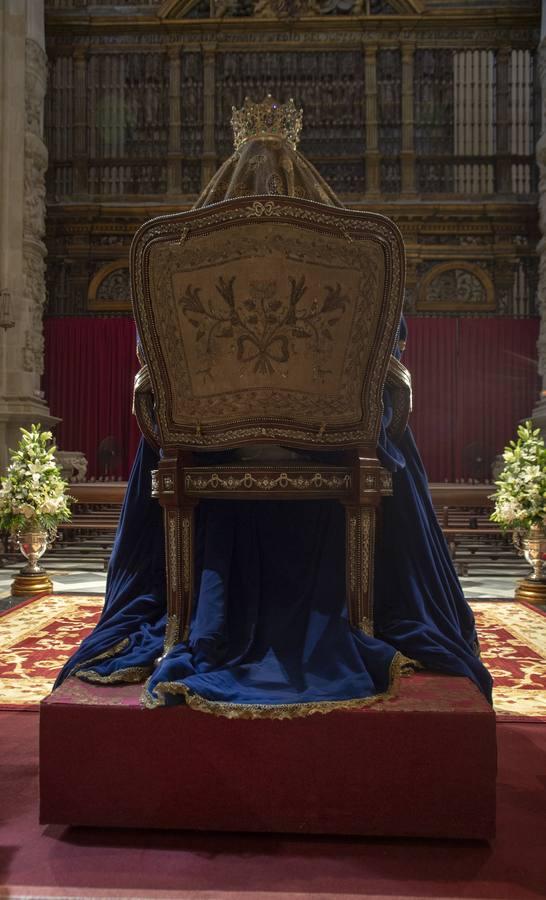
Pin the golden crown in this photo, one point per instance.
(266, 118)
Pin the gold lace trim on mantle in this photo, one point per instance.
(112, 651)
(400, 665)
(130, 674)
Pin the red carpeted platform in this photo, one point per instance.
(420, 764)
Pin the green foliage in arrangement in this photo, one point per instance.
(520, 498)
(33, 494)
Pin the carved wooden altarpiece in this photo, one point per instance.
(423, 111)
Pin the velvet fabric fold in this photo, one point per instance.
(270, 633)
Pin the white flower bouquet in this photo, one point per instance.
(520, 498)
(33, 494)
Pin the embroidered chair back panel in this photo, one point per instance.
(274, 325)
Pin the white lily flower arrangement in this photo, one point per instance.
(520, 498)
(33, 494)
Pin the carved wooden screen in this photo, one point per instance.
(525, 120)
(128, 123)
(434, 105)
(433, 109)
(190, 111)
(474, 121)
(389, 99)
(268, 320)
(59, 130)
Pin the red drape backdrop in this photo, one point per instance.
(432, 360)
(473, 380)
(90, 365)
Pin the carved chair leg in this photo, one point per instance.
(179, 531)
(359, 543)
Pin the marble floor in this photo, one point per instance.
(90, 578)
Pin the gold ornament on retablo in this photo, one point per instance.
(266, 119)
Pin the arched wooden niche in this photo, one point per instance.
(110, 290)
(456, 286)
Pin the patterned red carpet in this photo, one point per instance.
(513, 644)
(38, 636)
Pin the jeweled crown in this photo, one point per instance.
(269, 117)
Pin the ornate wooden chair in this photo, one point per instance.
(268, 320)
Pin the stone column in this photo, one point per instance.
(23, 161)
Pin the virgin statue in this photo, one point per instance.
(270, 634)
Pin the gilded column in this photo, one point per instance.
(503, 173)
(208, 159)
(371, 119)
(174, 173)
(407, 154)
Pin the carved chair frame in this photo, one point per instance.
(358, 483)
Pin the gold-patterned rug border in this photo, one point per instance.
(30, 618)
(512, 701)
(535, 639)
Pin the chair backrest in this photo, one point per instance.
(268, 319)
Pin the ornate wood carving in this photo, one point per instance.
(503, 172)
(191, 105)
(174, 179)
(128, 123)
(140, 114)
(433, 110)
(389, 99)
(237, 239)
(458, 286)
(110, 288)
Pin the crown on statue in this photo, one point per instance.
(266, 118)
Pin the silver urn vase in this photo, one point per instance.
(32, 579)
(532, 544)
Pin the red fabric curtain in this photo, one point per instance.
(473, 381)
(496, 388)
(431, 357)
(90, 365)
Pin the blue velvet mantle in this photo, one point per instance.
(270, 633)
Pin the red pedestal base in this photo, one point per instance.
(422, 764)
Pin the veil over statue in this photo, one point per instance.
(270, 631)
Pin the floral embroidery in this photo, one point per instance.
(265, 327)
